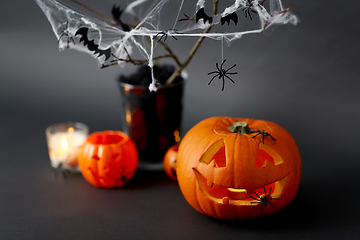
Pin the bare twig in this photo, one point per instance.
(180, 68)
(281, 12)
(133, 61)
(94, 12)
(187, 18)
(171, 53)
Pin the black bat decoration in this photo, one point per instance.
(233, 16)
(116, 12)
(91, 45)
(202, 15)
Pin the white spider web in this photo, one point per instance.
(152, 20)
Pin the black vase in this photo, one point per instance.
(152, 119)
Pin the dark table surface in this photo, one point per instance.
(305, 78)
(36, 205)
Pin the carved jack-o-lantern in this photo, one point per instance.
(170, 160)
(229, 173)
(108, 159)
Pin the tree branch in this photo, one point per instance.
(181, 67)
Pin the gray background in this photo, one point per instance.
(304, 78)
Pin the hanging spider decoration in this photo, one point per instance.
(66, 33)
(263, 135)
(166, 33)
(264, 199)
(222, 73)
(60, 169)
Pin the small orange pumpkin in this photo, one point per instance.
(227, 169)
(169, 161)
(108, 159)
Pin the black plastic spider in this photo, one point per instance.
(66, 33)
(222, 73)
(263, 135)
(264, 199)
(60, 168)
(249, 8)
(166, 33)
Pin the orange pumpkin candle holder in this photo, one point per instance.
(108, 159)
(232, 168)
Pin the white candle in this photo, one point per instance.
(64, 144)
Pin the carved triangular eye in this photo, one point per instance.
(267, 155)
(215, 154)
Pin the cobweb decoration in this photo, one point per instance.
(114, 41)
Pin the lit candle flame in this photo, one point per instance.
(63, 142)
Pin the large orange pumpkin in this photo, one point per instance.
(108, 159)
(232, 173)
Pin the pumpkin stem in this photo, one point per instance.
(240, 127)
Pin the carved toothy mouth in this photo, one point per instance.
(233, 196)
